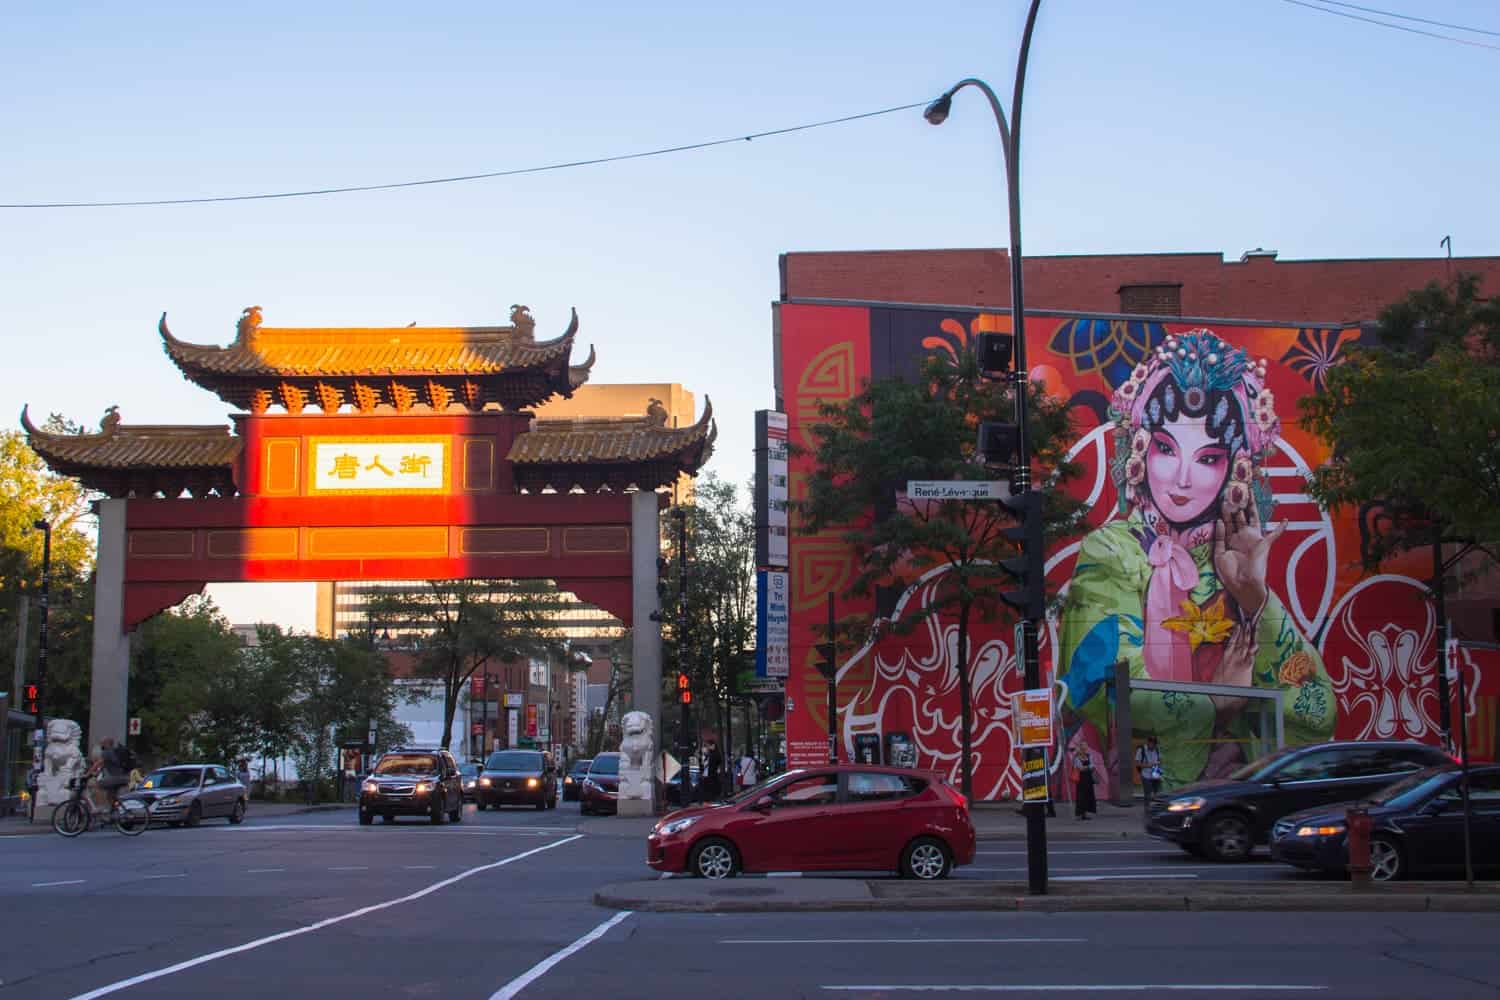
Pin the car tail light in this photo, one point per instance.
(954, 794)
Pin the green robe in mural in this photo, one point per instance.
(1103, 622)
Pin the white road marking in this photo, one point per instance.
(1054, 854)
(1105, 878)
(1084, 988)
(349, 868)
(1029, 940)
(414, 868)
(540, 969)
(147, 977)
(493, 831)
(1107, 868)
(259, 871)
(783, 874)
(71, 881)
(183, 875)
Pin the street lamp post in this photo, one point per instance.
(39, 735)
(1010, 138)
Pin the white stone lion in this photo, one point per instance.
(62, 762)
(637, 745)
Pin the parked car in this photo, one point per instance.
(187, 794)
(1224, 819)
(524, 777)
(573, 780)
(672, 790)
(1417, 825)
(601, 788)
(469, 774)
(413, 782)
(843, 818)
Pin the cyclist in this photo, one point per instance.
(112, 767)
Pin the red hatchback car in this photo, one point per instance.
(844, 818)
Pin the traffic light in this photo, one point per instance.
(684, 689)
(994, 351)
(998, 442)
(30, 696)
(828, 665)
(1030, 567)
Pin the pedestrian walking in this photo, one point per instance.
(713, 769)
(1148, 764)
(1084, 801)
(745, 771)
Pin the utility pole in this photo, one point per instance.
(39, 735)
(1439, 600)
(684, 681)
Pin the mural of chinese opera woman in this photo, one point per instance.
(1176, 588)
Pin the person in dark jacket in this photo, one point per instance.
(713, 768)
(1084, 802)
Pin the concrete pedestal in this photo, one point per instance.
(111, 664)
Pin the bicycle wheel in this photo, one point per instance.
(131, 817)
(70, 818)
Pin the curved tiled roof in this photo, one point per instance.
(610, 439)
(142, 458)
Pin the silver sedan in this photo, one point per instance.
(187, 794)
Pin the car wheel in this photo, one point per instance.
(1196, 850)
(479, 805)
(541, 804)
(713, 858)
(437, 813)
(195, 814)
(457, 815)
(237, 815)
(387, 818)
(366, 818)
(174, 823)
(1386, 862)
(926, 858)
(1227, 837)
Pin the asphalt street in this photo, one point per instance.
(500, 906)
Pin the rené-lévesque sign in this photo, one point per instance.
(956, 489)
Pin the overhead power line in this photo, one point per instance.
(1397, 27)
(514, 172)
(1411, 17)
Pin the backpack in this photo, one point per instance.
(125, 758)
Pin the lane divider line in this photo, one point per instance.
(1082, 988)
(537, 971)
(1020, 940)
(70, 881)
(147, 977)
(182, 875)
(262, 871)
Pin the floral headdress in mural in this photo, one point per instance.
(1199, 374)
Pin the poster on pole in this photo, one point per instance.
(1034, 775)
(1032, 711)
(773, 618)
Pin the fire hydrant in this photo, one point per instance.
(1357, 821)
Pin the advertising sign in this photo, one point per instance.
(531, 722)
(1033, 775)
(1032, 711)
(476, 687)
(773, 617)
(379, 465)
(514, 700)
(771, 493)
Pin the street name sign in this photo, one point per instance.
(957, 489)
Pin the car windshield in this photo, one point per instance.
(1261, 768)
(606, 766)
(172, 779)
(581, 766)
(760, 789)
(514, 760)
(1412, 789)
(469, 770)
(407, 763)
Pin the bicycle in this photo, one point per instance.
(78, 815)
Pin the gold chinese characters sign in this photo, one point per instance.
(380, 465)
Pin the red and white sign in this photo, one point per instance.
(1032, 711)
(1450, 659)
(531, 721)
(133, 728)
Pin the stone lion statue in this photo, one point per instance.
(62, 762)
(638, 746)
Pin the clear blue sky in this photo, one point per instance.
(1150, 125)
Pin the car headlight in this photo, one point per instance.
(678, 825)
(423, 786)
(469, 783)
(484, 782)
(568, 780)
(532, 782)
(1190, 804)
(170, 800)
(372, 787)
(1330, 830)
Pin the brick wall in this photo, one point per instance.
(1259, 287)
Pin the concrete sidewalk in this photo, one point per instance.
(20, 826)
(992, 821)
(780, 895)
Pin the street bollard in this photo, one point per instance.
(1358, 822)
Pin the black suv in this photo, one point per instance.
(526, 777)
(1225, 818)
(409, 782)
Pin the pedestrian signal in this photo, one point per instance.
(684, 689)
(31, 693)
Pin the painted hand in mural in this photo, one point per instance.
(1241, 550)
(1236, 667)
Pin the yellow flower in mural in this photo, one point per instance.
(1297, 668)
(1201, 624)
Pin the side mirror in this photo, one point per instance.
(762, 804)
(1435, 807)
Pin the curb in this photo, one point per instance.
(1327, 902)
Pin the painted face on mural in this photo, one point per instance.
(1185, 469)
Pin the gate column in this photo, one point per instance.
(111, 663)
(645, 549)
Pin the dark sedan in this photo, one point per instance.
(519, 777)
(413, 783)
(470, 774)
(1417, 825)
(573, 780)
(1224, 819)
(601, 789)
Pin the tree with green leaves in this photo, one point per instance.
(456, 627)
(866, 450)
(1414, 418)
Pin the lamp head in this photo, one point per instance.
(937, 111)
(41, 525)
